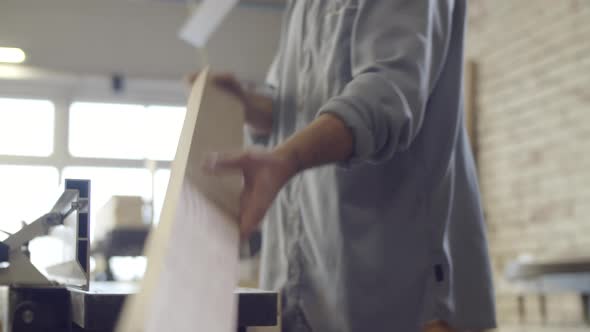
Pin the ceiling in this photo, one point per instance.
(137, 38)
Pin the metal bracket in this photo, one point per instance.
(19, 270)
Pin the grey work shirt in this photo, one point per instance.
(394, 237)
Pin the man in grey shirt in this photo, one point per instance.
(368, 187)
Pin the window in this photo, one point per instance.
(128, 268)
(34, 161)
(26, 193)
(122, 135)
(107, 130)
(124, 131)
(165, 127)
(26, 127)
(161, 178)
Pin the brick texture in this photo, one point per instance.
(533, 127)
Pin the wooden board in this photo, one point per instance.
(193, 253)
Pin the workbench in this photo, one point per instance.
(61, 309)
(97, 309)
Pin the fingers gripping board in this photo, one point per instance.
(193, 253)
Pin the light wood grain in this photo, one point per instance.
(193, 253)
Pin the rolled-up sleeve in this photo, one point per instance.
(398, 49)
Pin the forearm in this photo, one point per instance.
(326, 140)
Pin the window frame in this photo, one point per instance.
(63, 90)
(149, 110)
(52, 129)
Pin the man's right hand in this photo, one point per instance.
(257, 108)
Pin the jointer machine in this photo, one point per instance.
(61, 297)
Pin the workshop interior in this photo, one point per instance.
(93, 96)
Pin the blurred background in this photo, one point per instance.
(95, 90)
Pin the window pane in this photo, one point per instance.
(128, 268)
(161, 178)
(26, 127)
(164, 132)
(108, 182)
(26, 193)
(124, 131)
(107, 130)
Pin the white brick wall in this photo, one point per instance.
(533, 128)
